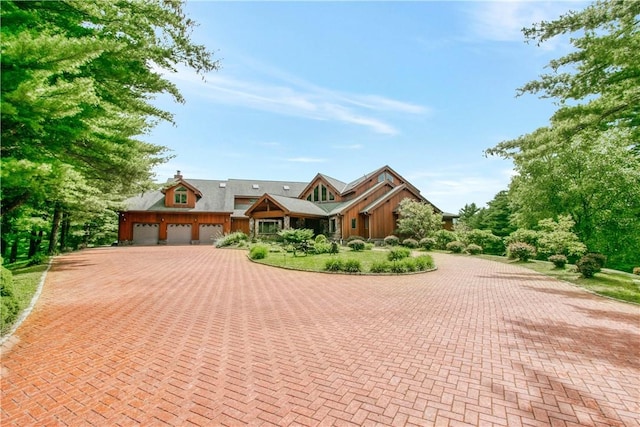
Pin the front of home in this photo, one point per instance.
(197, 211)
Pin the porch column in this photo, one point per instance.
(252, 225)
(287, 223)
(338, 227)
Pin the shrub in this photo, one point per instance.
(558, 260)
(522, 235)
(443, 237)
(588, 266)
(352, 266)
(333, 265)
(234, 238)
(456, 247)
(335, 248)
(356, 245)
(427, 243)
(369, 246)
(9, 306)
(398, 267)
(321, 238)
(473, 249)
(489, 242)
(37, 259)
(636, 270)
(352, 238)
(521, 251)
(391, 240)
(396, 254)
(601, 259)
(258, 252)
(380, 267)
(410, 243)
(424, 262)
(410, 264)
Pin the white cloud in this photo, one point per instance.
(294, 97)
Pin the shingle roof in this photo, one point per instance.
(298, 206)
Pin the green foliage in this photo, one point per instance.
(489, 242)
(443, 237)
(351, 238)
(352, 266)
(588, 266)
(521, 251)
(295, 236)
(636, 270)
(601, 259)
(37, 259)
(473, 249)
(9, 304)
(369, 246)
(456, 247)
(410, 243)
(259, 252)
(398, 253)
(558, 260)
(380, 267)
(586, 163)
(427, 243)
(231, 239)
(334, 248)
(556, 237)
(417, 219)
(334, 264)
(322, 247)
(321, 238)
(356, 245)
(424, 262)
(525, 236)
(391, 240)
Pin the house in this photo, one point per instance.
(199, 211)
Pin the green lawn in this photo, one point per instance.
(25, 284)
(611, 283)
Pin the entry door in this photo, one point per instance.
(145, 233)
(178, 234)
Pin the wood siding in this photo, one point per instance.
(240, 224)
(127, 219)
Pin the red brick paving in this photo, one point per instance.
(200, 336)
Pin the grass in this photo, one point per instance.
(317, 262)
(25, 284)
(610, 283)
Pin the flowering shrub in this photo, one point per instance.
(410, 243)
(443, 237)
(588, 266)
(558, 260)
(356, 245)
(427, 243)
(391, 240)
(521, 251)
(473, 249)
(456, 247)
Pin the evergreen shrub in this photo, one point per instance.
(391, 240)
(410, 243)
(356, 245)
(427, 243)
(590, 264)
(559, 261)
(258, 252)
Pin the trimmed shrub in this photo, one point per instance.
(427, 243)
(333, 265)
(356, 245)
(521, 251)
(490, 243)
(352, 238)
(258, 252)
(391, 240)
(380, 267)
(410, 243)
(588, 266)
(636, 270)
(396, 254)
(321, 238)
(473, 249)
(352, 266)
(456, 247)
(558, 260)
(424, 262)
(235, 238)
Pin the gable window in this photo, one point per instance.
(331, 196)
(324, 193)
(180, 196)
(315, 193)
(385, 176)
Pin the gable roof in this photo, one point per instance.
(293, 205)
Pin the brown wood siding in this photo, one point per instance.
(127, 219)
(314, 184)
(169, 200)
(372, 181)
(240, 224)
(383, 221)
(354, 213)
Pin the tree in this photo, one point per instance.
(557, 237)
(77, 83)
(586, 163)
(417, 219)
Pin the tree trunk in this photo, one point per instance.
(55, 226)
(13, 257)
(33, 244)
(64, 231)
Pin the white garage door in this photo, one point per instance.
(209, 233)
(145, 234)
(178, 234)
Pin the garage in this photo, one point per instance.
(210, 233)
(145, 233)
(178, 234)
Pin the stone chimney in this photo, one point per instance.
(177, 176)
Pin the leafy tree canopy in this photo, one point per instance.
(417, 219)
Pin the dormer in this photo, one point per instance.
(180, 194)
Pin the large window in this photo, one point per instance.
(321, 193)
(180, 196)
(268, 226)
(385, 176)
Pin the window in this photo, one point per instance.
(309, 197)
(353, 223)
(331, 196)
(332, 225)
(180, 196)
(315, 194)
(385, 176)
(268, 226)
(366, 222)
(324, 193)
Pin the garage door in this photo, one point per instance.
(178, 234)
(145, 234)
(209, 233)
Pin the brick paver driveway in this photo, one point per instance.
(200, 336)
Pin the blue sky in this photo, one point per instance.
(343, 88)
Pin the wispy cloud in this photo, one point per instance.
(282, 94)
(504, 20)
